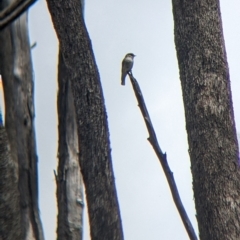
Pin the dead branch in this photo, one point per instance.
(13, 11)
(162, 158)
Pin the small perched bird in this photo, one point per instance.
(127, 65)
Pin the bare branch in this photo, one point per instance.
(163, 159)
(8, 10)
(13, 11)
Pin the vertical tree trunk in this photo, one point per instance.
(16, 70)
(10, 218)
(93, 134)
(69, 181)
(209, 116)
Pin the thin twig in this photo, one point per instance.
(163, 159)
(33, 45)
(13, 11)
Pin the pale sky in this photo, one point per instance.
(146, 29)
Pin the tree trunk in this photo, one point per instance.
(93, 134)
(212, 139)
(10, 218)
(16, 70)
(69, 181)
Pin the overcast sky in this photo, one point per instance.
(146, 29)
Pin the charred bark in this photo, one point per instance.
(93, 133)
(16, 70)
(69, 180)
(10, 218)
(13, 11)
(212, 138)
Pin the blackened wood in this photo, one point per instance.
(210, 124)
(13, 11)
(16, 70)
(93, 133)
(10, 217)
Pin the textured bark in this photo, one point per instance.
(10, 218)
(16, 70)
(93, 134)
(69, 181)
(212, 139)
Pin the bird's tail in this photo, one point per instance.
(123, 78)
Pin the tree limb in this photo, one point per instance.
(13, 11)
(163, 159)
(93, 133)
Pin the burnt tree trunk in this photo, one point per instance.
(93, 133)
(16, 70)
(69, 181)
(10, 218)
(212, 138)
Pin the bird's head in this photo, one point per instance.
(131, 55)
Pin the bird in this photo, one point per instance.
(127, 65)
